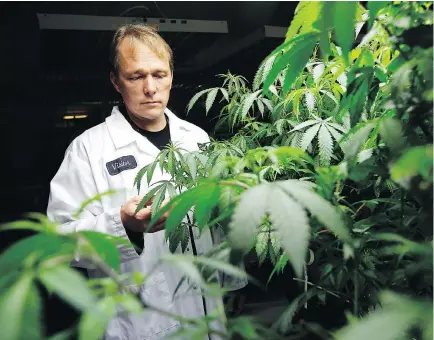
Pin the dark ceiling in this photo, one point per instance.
(45, 73)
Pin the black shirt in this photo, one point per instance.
(160, 139)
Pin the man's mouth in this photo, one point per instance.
(152, 103)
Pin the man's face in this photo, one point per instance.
(144, 80)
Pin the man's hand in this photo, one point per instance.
(139, 222)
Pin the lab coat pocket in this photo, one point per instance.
(155, 292)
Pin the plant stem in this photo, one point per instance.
(360, 208)
(402, 209)
(356, 292)
(314, 285)
(235, 183)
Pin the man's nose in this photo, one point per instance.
(150, 86)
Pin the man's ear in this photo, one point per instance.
(114, 81)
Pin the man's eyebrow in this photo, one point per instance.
(140, 71)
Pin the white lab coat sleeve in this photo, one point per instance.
(72, 185)
(230, 282)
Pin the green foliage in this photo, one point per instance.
(21, 304)
(392, 321)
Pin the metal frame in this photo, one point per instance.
(49, 21)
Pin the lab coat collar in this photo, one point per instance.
(123, 134)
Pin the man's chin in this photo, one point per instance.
(150, 114)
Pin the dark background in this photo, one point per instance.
(44, 74)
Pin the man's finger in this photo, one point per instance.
(143, 214)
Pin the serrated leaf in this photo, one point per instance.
(325, 23)
(150, 172)
(296, 140)
(208, 200)
(342, 79)
(300, 44)
(149, 195)
(352, 146)
(171, 163)
(366, 58)
(105, 248)
(279, 126)
(364, 155)
(284, 323)
(355, 98)
(139, 176)
(292, 226)
(331, 96)
(306, 13)
(309, 135)
(391, 132)
(318, 70)
(374, 7)
(247, 103)
(257, 79)
(161, 158)
(299, 56)
(268, 104)
(247, 217)
(228, 195)
(158, 199)
(273, 90)
(325, 145)
(304, 124)
(43, 244)
(185, 237)
(94, 322)
(69, 285)
(341, 128)
(344, 17)
(321, 209)
(179, 207)
(416, 161)
(260, 106)
(192, 165)
(195, 98)
(310, 101)
(210, 99)
(225, 93)
(261, 243)
(391, 322)
(20, 310)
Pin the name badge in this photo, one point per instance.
(121, 164)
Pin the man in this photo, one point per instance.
(108, 156)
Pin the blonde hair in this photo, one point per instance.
(145, 34)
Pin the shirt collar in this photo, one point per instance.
(123, 134)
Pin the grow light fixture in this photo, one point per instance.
(68, 117)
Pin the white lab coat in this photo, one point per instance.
(83, 174)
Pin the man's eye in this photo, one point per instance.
(135, 78)
(159, 76)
